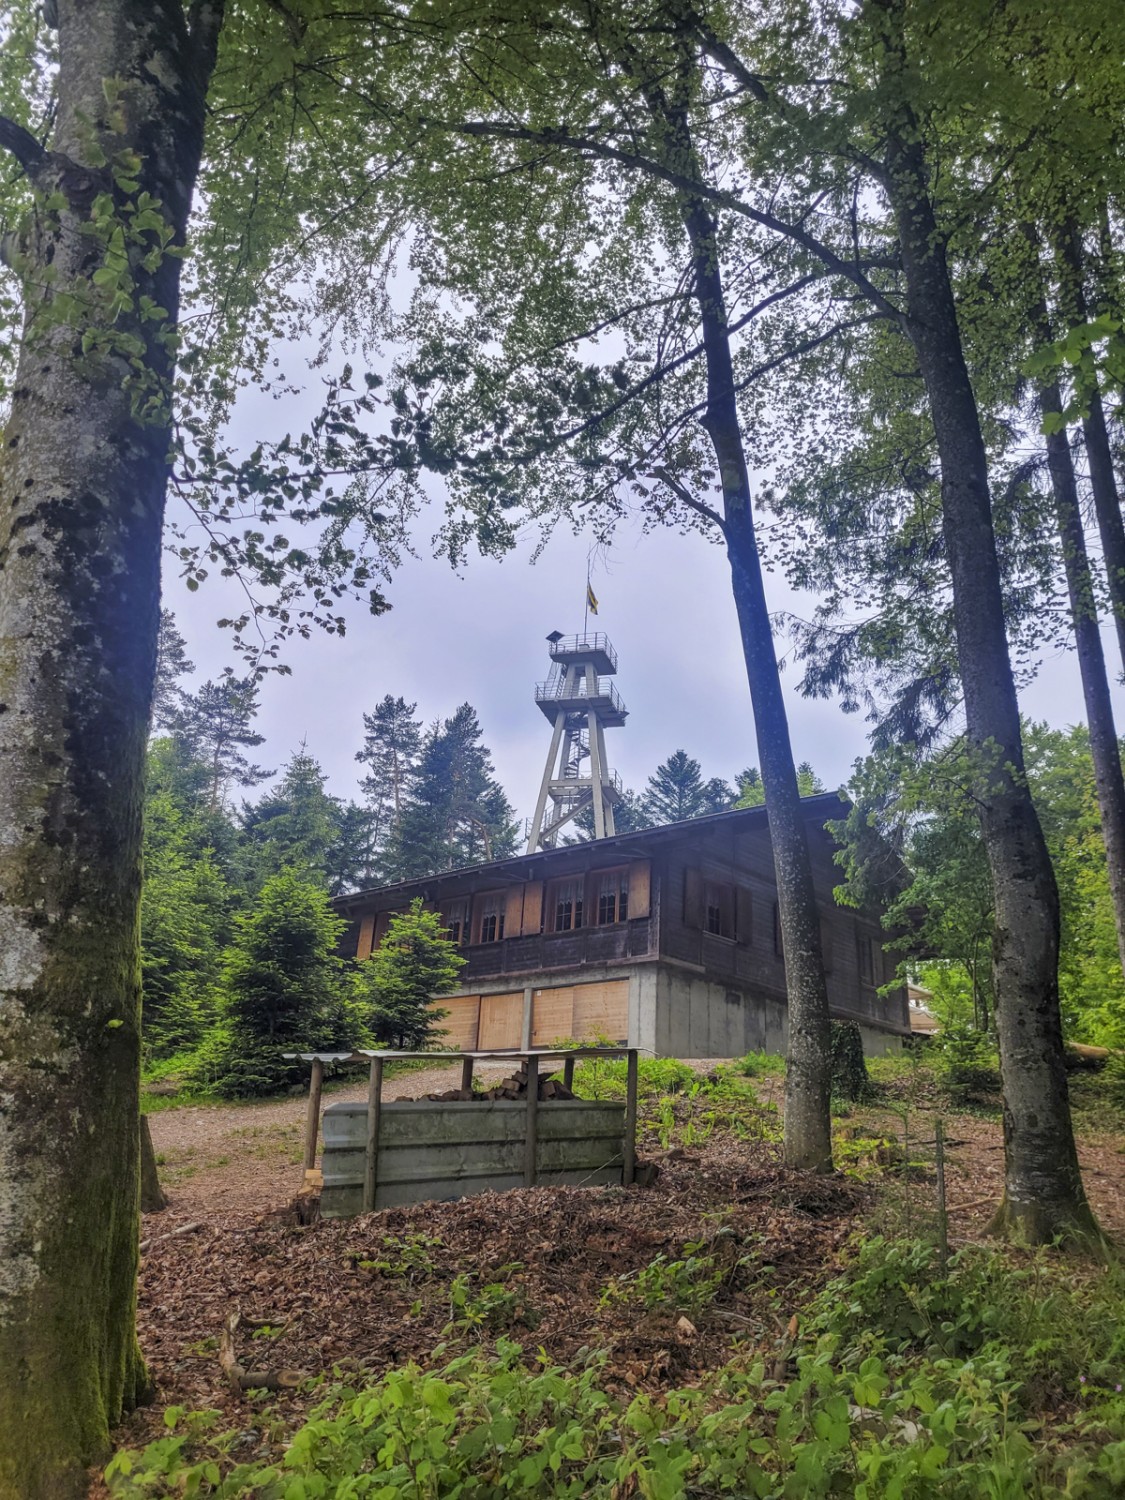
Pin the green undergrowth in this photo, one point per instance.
(680, 1107)
(997, 1377)
(180, 1068)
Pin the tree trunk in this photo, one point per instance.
(1104, 749)
(1103, 481)
(808, 1073)
(81, 502)
(1043, 1194)
(153, 1198)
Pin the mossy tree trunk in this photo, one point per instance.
(1043, 1193)
(82, 481)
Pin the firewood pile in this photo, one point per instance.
(514, 1087)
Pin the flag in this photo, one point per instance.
(591, 598)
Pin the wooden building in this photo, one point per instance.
(666, 940)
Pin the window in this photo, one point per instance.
(718, 909)
(492, 917)
(455, 920)
(567, 905)
(612, 890)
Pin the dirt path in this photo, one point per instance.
(214, 1158)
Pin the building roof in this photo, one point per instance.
(633, 845)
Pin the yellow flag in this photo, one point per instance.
(591, 598)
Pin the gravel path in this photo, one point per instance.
(248, 1156)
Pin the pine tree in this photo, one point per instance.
(751, 792)
(283, 988)
(216, 726)
(415, 963)
(391, 748)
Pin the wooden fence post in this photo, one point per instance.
(467, 1073)
(531, 1139)
(629, 1164)
(374, 1108)
(943, 1215)
(312, 1119)
(568, 1073)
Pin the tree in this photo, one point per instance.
(352, 860)
(216, 725)
(297, 825)
(283, 988)
(171, 665)
(391, 747)
(676, 790)
(414, 964)
(751, 792)
(81, 503)
(458, 813)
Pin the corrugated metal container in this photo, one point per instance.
(434, 1150)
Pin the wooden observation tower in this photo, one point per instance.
(581, 702)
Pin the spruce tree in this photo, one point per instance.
(391, 748)
(415, 963)
(676, 790)
(283, 988)
(171, 665)
(297, 824)
(458, 813)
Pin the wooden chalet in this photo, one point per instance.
(665, 940)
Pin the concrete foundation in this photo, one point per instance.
(430, 1150)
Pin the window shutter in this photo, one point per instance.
(640, 895)
(513, 912)
(693, 898)
(532, 908)
(744, 917)
(366, 937)
(382, 927)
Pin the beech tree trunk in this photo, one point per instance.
(1104, 749)
(1103, 481)
(82, 482)
(153, 1198)
(808, 1070)
(1043, 1194)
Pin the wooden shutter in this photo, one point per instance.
(744, 917)
(552, 1016)
(459, 1028)
(382, 925)
(639, 888)
(602, 1010)
(366, 937)
(513, 912)
(693, 898)
(532, 908)
(501, 1021)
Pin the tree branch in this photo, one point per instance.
(683, 494)
(22, 145)
(565, 140)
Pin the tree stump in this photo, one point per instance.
(152, 1194)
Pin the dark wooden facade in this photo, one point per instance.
(696, 899)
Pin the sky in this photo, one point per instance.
(665, 602)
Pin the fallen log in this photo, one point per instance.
(240, 1379)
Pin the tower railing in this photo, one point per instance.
(553, 691)
(583, 645)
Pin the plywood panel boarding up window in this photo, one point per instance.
(366, 937)
(552, 1016)
(602, 1010)
(501, 1021)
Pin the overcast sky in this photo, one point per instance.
(665, 602)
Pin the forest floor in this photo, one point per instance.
(557, 1270)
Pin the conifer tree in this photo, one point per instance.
(458, 813)
(171, 665)
(391, 748)
(297, 824)
(676, 790)
(415, 963)
(216, 724)
(283, 988)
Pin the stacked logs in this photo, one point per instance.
(513, 1087)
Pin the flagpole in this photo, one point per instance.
(586, 615)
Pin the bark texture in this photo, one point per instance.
(808, 1073)
(1043, 1194)
(153, 1199)
(82, 480)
